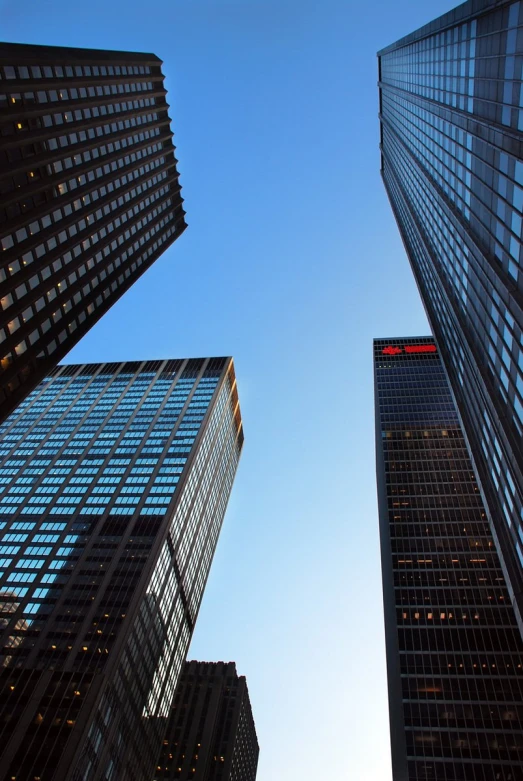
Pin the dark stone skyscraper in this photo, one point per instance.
(211, 734)
(114, 480)
(454, 652)
(89, 196)
(452, 162)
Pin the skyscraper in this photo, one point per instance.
(114, 480)
(454, 652)
(211, 734)
(89, 196)
(452, 163)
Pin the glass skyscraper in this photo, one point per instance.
(211, 734)
(451, 112)
(454, 651)
(89, 196)
(114, 483)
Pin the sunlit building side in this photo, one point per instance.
(114, 482)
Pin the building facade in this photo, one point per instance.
(114, 483)
(89, 197)
(454, 651)
(211, 734)
(452, 163)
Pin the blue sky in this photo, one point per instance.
(292, 263)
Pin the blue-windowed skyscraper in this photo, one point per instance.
(114, 482)
(451, 112)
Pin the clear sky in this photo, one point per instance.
(291, 263)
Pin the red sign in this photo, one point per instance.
(410, 348)
(420, 348)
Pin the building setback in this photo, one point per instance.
(211, 734)
(89, 197)
(454, 652)
(114, 482)
(452, 164)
